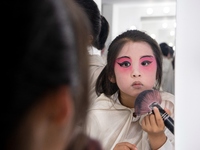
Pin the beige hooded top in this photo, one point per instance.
(96, 65)
(110, 122)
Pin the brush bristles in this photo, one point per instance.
(144, 100)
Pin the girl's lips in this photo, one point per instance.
(137, 84)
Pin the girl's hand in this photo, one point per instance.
(125, 146)
(154, 125)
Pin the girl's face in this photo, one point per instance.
(135, 69)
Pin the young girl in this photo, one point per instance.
(134, 64)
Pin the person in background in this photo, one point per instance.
(45, 85)
(105, 27)
(93, 14)
(172, 57)
(134, 64)
(96, 44)
(98, 62)
(167, 83)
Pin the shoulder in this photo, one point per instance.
(107, 103)
(96, 60)
(167, 97)
(102, 102)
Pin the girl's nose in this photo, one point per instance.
(136, 72)
(136, 75)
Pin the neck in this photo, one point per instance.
(126, 100)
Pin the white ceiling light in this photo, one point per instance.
(174, 47)
(149, 11)
(153, 36)
(133, 28)
(172, 33)
(171, 44)
(174, 24)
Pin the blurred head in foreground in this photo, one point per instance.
(45, 80)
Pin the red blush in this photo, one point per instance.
(151, 66)
(123, 64)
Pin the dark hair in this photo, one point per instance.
(103, 33)
(92, 11)
(164, 48)
(103, 84)
(171, 51)
(46, 48)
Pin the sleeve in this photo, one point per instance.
(169, 145)
(93, 126)
(168, 102)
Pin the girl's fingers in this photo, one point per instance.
(153, 122)
(146, 121)
(159, 121)
(125, 146)
(131, 146)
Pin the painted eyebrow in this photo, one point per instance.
(123, 57)
(147, 56)
(140, 58)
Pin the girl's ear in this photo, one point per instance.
(112, 79)
(60, 104)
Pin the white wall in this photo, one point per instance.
(126, 15)
(98, 2)
(187, 76)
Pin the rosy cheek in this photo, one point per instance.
(150, 68)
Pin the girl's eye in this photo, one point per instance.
(125, 64)
(146, 63)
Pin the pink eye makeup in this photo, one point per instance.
(148, 62)
(124, 62)
(145, 63)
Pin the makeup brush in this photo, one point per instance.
(145, 102)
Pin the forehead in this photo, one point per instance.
(136, 49)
